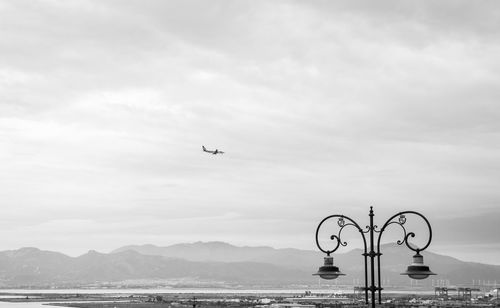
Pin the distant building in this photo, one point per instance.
(291, 305)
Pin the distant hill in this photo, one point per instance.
(224, 252)
(28, 267)
(217, 263)
(394, 260)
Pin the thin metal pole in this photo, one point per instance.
(379, 275)
(372, 259)
(366, 277)
(378, 271)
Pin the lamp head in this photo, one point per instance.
(328, 270)
(417, 269)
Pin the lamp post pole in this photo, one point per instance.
(417, 270)
(372, 255)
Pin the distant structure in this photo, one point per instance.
(212, 152)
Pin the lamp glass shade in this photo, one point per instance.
(328, 270)
(418, 270)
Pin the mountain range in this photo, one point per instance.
(217, 264)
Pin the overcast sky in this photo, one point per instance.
(322, 107)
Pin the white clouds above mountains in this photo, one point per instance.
(321, 106)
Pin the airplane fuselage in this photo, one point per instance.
(212, 152)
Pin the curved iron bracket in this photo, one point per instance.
(341, 222)
(406, 235)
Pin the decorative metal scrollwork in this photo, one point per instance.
(337, 238)
(406, 235)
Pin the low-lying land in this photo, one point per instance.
(212, 300)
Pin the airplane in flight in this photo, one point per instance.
(213, 152)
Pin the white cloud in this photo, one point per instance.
(320, 106)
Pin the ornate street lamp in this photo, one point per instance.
(416, 270)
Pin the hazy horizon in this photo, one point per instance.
(321, 107)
